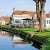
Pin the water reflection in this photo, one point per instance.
(3, 33)
(12, 42)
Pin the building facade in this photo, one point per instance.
(21, 21)
(47, 21)
(30, 14)
(4, 20)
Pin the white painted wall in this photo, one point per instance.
(47, 22)
(19, 17)
(2, 22)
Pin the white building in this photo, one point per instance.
(47, 22)
(21, 20)
(2, 22)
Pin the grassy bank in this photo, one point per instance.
(34, 31)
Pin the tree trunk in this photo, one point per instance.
(38, 15)
(42, 16)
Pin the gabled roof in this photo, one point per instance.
(18, 12)
(5, 18)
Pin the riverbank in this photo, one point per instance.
(31, 34)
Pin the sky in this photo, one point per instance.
(6, 6)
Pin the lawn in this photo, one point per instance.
(45, 33)
(27, 29)
(6, 26)
(46, 46)
(35, 31)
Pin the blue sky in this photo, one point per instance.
(6, 6)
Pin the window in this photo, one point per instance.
(47, 21)
(25, 21)
(0, 23)
(16, 21)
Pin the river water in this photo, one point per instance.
(6, 43)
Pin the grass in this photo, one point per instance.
(47, 30)
(46, 46)
(27, 29)
(34, 31)
(45, 33)
(6, 26)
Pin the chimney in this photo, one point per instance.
(49, 12)
(13, 10)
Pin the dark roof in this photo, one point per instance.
(26, 19)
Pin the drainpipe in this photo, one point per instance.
(33, 22)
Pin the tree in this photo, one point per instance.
(42, 4)
(39, 12)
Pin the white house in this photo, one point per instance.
(2, 22)
(21, 21)
(47, 22)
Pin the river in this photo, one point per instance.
(7, 42)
